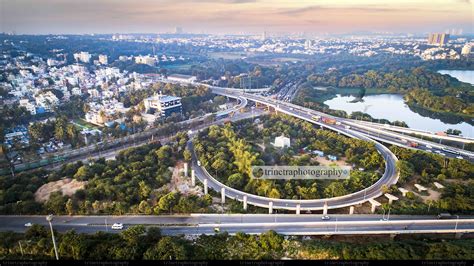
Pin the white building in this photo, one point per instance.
(182, 78)
(29, 106)
(466, 50)
(103, 59)
(47, 100)
(282, 142)
(147, 60)
(84, 57)
(164, 105)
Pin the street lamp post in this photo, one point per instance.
(49, 218)
(456, 226)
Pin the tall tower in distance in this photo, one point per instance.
(178, 30)
(264, 35)
(438, 38)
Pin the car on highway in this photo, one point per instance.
(325, 217)
(217, 229)
(429, 147)
(28, 225)
(459, 157)
(199, 163)
(117, 226)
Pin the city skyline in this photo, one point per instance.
(234, 16)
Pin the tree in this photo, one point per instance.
(187, 155)
(70, 208)
(168, 201)
(166, 249)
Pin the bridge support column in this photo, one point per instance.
(205, 186)
(351, 210)
(223, 195)
(392, 236)
(374, 204)
(245, 202)
(298, 209)
(325, 210)
(270, 207)
(193, 178)
(458, 235)
(186, 169)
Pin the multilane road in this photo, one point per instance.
(196, 224)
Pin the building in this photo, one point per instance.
(182, 78)
(466, 50)
(47, 100)
(282, 142)
(146, 60)
(103, 59)
(163, 105)
(84, 57)
(438, 39)
(29, 106)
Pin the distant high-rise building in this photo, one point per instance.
(264, 35)
(308, 44)
(438, 39)
(466, 50)
(103, 59)
(178, 30)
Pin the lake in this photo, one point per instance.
(392, 107)
(461, 75)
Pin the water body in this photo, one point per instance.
(392, 107)
(461, 75)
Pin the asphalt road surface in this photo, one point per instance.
(251, 223)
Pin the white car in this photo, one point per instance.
(429, 151)
(325, 217)
(429, 147)
(459, 157)
(199, 163)
(117, 226)
(28, 225)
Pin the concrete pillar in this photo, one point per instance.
(351, 210)
(392, 236)
(245, 202)
(325, 210)
(298, 209)
(270, 207)
(374, 204)
(372, 209)
(205, 187)
(390, 198)
(223, 195)
(458, 235)
(186, 169)
(193, 178)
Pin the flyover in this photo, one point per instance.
(395, 138)
(389, 177)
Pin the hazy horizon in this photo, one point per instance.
(234, 16)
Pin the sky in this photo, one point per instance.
(234, 16)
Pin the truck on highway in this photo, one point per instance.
(412, 144)
(329, 121)
(316, 117)
(450, 151)
(445, 215)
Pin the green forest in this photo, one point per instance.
(128, 184)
